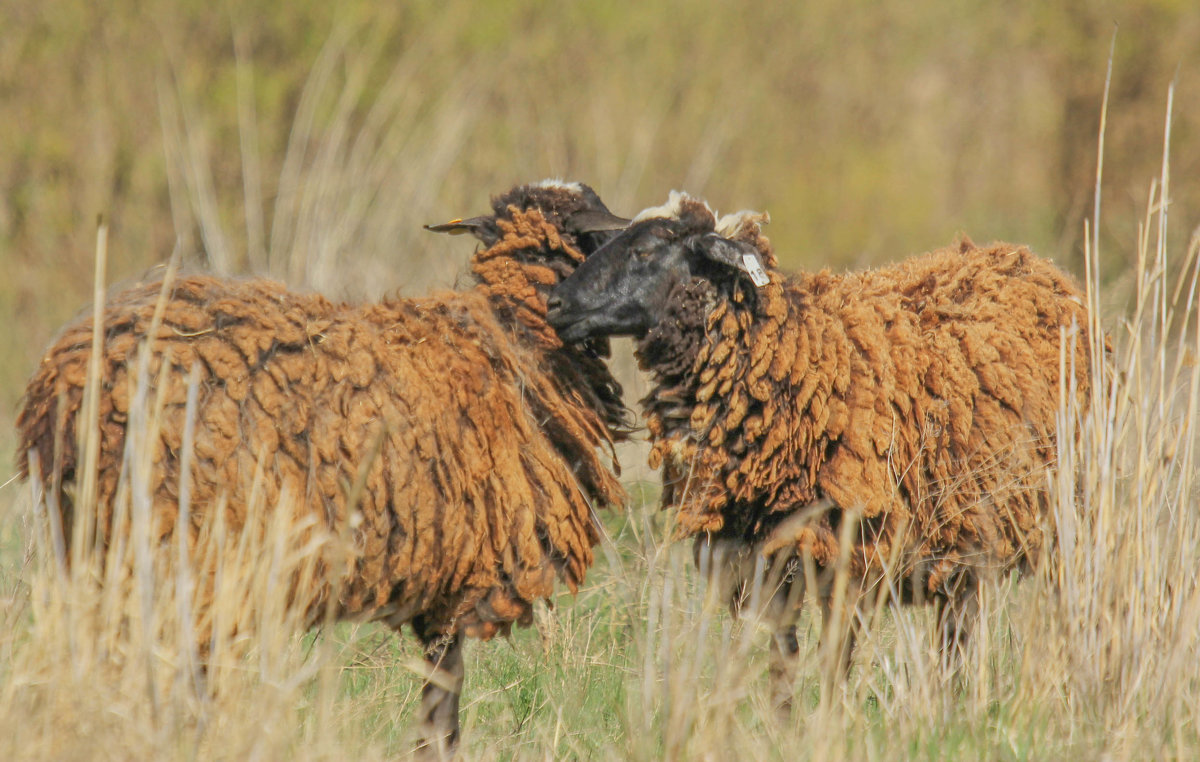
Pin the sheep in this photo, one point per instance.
(906, 414)
(494, 440)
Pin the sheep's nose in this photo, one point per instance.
(553, 303)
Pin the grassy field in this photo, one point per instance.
(311, 144)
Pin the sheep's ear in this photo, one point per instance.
(740, 256)
(594, 221)
(483, 228)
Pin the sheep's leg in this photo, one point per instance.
(438, 718)
(783, 610)
(956, 617)
(838, 638)
(782, 666)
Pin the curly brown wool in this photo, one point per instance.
(923, 396)
(496, 439)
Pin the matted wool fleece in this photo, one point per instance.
(493, 435)
(923, 395)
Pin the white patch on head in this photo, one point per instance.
(554, 182)
(731, 225)
(670, 210)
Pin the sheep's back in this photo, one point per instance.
(231, 330)
(947, 387)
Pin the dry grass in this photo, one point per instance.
(1095, 655)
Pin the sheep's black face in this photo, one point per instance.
(622, 289)
(619, 289)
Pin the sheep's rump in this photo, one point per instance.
(469, 510)
(924, 394)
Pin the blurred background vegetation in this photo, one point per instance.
(310, 140)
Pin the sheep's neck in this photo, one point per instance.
(718, 406)
(518, 271)
(515, 274)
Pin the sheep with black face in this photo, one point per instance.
(911, 408)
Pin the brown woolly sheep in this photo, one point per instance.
(485, 441)
(911, 409)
